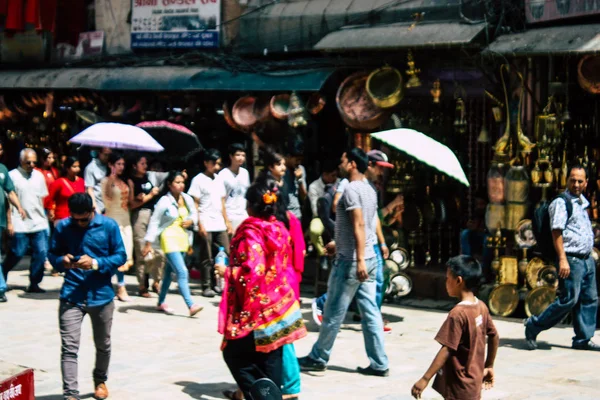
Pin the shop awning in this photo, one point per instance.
(578, 39)
(163, 78)
(401, 35)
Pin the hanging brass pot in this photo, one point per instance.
(355, 106)
(243, 113)
(515, 212)
(588, 73)
(279, 106)
(385, 87)
(516, 186)
(315, 103)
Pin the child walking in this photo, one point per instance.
(461, 365)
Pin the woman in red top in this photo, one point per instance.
(50, 172)
(63, 188)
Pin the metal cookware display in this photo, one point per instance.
(504, 300)
(588, 73)
(516, 186)
(495, 183)
(243, 112)
(524, 234)
(533, 271)
(355, 105)
(548, 276)
(400, 257)
(495, 216)
(279, 106)
(514, 213)
(538, 300)
(316, 103)
(385, 86)
(508, 273)
(400, 285)
(229, 118)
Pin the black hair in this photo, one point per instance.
(468, 268)
(577, 166)
(211, 155)
(80, 203)
(68, 164)
(131, 162)
(271, 157)
(45, 153)
(359, 157)
(234, 148)
(255, 194)
(173, 174)
(112, 159)
(330, 165)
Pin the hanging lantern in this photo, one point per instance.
(296, 112)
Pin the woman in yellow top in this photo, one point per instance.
(171, 227)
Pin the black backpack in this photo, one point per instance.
(542, 228)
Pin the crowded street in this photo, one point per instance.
(175, 357)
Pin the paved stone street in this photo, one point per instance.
(156, 356)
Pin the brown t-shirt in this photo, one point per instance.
(464, 332)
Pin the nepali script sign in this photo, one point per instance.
(175, 24)
(18, 387)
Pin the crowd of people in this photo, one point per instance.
(120, 215)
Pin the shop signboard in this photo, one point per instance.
(175, 24)
(18, 387)
(551, 10)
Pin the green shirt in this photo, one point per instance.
(7, 185)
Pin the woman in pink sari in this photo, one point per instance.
(259, 312)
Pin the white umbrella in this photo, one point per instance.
(424, 149)
(117, 136)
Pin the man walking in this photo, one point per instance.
(30, 223)
(353, 272)
(93, 175)
(89, 249)
(8, 189)
(208, 192)
(237, 181)
(573, 240)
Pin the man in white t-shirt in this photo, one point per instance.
(214, 227)
(237, 181)
(30, 229)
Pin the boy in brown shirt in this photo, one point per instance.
(461, 364)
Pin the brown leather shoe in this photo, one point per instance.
(101, 392)
(144, 293)
(156, 287)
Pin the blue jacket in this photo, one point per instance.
(166, 211)
(100, 240)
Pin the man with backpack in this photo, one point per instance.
(573, 240)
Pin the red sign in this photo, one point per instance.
(551, 10)
(18, 387)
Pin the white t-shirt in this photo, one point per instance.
(236, 187)
(210, 193)
(31, 190)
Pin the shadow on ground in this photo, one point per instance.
(520, 344)
(200, 390)
(60, 397)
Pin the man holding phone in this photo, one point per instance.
(89, 249)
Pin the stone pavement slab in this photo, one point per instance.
(156, 356)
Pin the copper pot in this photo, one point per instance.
(385, 86)
(229, 118)
(315, 103)
(588, 73)
(243, 112)
(279, 106)
(356, 106)
(262, 109)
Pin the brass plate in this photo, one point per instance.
(538, 300)
(504, 300)
(533, 269)
(509, 270)
(400, 257)
(548, 276)
(524, 234)
(391, 267)
(401, 284)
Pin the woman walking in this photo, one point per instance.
(63, 188)
(259, 313)
(171, 228)
(115, 195)
(143, 195)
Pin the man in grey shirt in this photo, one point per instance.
(574, 242)
(93, 174)
(354, 271)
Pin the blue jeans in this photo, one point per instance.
(19, 244)
(343, 285)
(120, 278)
(577, 293)
(176, 263)
(378, 278)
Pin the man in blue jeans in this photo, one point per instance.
(354, 271)
(30, 224)
(574, 242)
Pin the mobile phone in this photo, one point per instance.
(76, 258)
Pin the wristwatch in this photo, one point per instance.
(94, 264)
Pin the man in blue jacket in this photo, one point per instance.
(89, 249)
